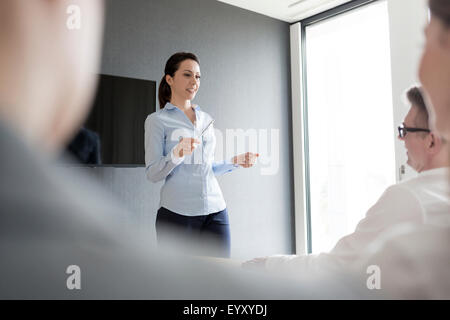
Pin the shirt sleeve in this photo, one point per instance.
(157, 166)
(220, 168)
(397, 206)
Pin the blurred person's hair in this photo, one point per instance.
(441, 10)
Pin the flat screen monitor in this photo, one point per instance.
(120, 108)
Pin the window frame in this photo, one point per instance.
(303, 225)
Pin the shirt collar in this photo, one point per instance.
(439, 171)
(170, 106)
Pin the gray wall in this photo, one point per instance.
(245, 84)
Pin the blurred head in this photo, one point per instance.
(181, 79)
(434, 70)
(47, 76)
(425, 150)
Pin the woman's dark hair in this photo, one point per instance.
(172, 65)
(441, 10)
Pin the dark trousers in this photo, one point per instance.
(199, 235)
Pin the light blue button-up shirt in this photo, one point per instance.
(190, 187)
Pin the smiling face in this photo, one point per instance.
(434, 73)
(186, 81)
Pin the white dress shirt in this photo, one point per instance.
(423, 199)
(413, 261)
(190, 185)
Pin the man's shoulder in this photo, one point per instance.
(425, 192)
(408, 189)
(398, 197)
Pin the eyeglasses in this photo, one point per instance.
(402, 130)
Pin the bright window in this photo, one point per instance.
(350, 120)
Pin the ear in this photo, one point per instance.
(434, 143)
(169, 80)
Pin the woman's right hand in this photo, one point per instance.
(185, 147)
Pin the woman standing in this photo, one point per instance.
(179, 149)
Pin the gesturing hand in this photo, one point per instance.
(245, 160)
(185, 147)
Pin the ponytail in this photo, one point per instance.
(164, 92)
(172, 65)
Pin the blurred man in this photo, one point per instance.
(434, 71)
(414, 201)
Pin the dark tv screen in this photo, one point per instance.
(120, 108)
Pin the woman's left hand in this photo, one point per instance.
(245, 160)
